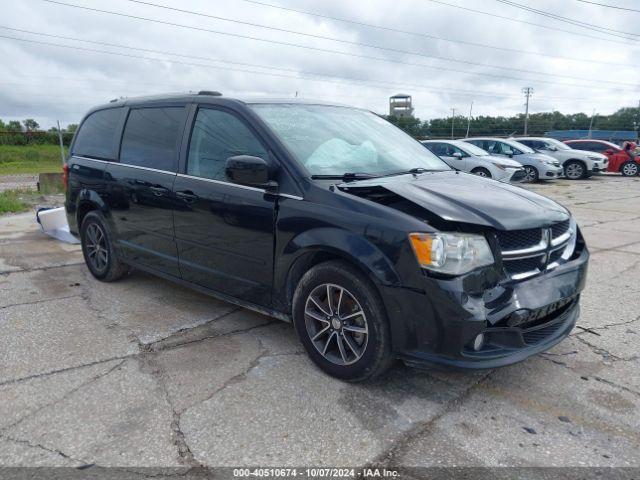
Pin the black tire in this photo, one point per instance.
(481, 172)
(358, 293)
(531, 174)
(575, 170)
(97, 249)
(629, 169)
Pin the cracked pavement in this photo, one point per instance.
(144, 373)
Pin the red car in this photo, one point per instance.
(619, 159)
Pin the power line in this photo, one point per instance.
(579, 23)
(425, 35)
(309, 76)
(610, 6)
(339, 52)
(548, 27)
(344, 79)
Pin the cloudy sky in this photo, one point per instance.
(58, 60)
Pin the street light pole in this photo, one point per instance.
(453, 117)
(528, 91)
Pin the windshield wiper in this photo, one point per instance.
(413, 171)
(345, 177)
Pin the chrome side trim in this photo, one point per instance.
(91, 159)
(236, 185)
(125, 165)
(220, 182)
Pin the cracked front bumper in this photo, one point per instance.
(517, 318)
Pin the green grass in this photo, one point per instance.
(12, 201)
(30, 159)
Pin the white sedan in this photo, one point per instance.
(469, 158)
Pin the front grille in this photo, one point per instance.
(531, 251)
(518, 239)
(515, 267)
(558, 229)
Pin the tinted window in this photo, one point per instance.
(152, 137)
(97, 135)
(589, 146)
(216, 136)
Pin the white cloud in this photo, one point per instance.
(49, 83)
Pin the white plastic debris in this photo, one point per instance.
(53, 222)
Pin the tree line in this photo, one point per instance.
(27, 132)
(627, 118)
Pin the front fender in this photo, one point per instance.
(345, 244)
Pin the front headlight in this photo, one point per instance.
(567, 253)
(451, 253)
(594, 158)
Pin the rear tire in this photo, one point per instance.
(481, 172)
(575, 170)
(531, 174)
(97, 249)
(629, 169)
(341, 321)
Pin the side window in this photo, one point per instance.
(216, 136)
(152, 137)
(453, 149)
(578, 145)
(97, 135)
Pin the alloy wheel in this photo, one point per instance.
(630, 169)
(336, 324)
(530, 174)
(96, 247)
(574, 171)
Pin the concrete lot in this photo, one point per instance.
(145, 373)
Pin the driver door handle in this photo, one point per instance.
(187, 195)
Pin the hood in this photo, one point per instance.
(507, 162)
(543, 157)
(465, 198)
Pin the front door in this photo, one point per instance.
(224, 231)
(140, 187)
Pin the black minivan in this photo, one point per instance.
(332, 218)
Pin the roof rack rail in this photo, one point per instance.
(210, 92)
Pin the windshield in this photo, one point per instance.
(471, 149)
(557, 143)
(330, 140)
(520, 146)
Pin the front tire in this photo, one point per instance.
(575, 170)
(481, 172)
(629, 169)
(531, 174)
(341, 321)
(97, 249)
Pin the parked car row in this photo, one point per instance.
(531, 159)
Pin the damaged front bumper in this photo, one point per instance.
(460, 323)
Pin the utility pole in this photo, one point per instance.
(528, 91)
(453, 118)
(61, 143)
(469, 120)
(591, 122)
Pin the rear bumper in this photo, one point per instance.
(517, 319)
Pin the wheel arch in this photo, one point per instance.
(318, 246)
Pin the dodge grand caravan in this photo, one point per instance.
(329, 217)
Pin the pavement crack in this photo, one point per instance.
(39, 269)
(388, 457)
(93, 379)
(46, 449)
(44, 300)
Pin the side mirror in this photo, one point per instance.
(509, 153)
(551, 148)
(457, 155)
(250, 171)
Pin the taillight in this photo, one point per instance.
(65, 176)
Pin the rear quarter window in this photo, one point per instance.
(152, 137)
(98, 135)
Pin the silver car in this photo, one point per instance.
(469, 158)
(576, 163)
(537, 166)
